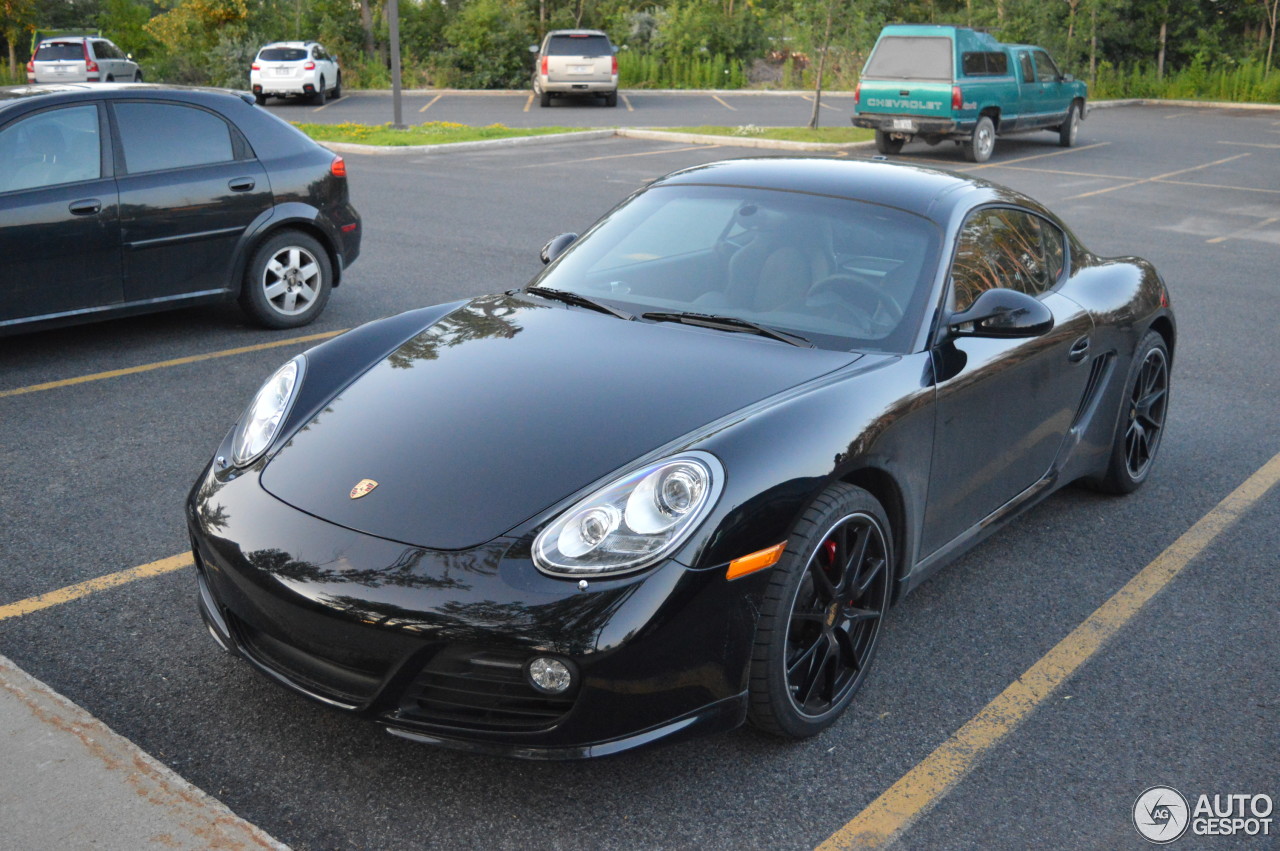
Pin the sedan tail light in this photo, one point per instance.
(310, 66)
(338, 168)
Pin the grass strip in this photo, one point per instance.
(430, 133)
(838, 135)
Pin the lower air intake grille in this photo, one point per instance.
(484, 691)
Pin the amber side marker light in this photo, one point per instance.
(758, 560)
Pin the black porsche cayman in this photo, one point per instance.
(676, 482)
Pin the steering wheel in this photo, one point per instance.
(861, 298)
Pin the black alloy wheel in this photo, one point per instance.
(822, 614)
(1141, 420)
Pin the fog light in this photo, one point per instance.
(549, 675)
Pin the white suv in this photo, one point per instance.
(303, 68)
(81, 59)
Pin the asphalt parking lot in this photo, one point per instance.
(520, 109)
(104, 428)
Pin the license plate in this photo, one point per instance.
(61, 69)
(904, 124)
(580, 69)
(283, 72)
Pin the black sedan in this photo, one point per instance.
(677, 481)
(122, 199)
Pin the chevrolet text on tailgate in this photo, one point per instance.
(944, 82)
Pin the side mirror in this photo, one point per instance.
(1002, 313)
(1068, 78)
(533, 48)
(129, 56)
(556, 246)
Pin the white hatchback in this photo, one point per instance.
(293, 69)
(81, 59)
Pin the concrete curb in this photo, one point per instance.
(1206, 104)
(459, 147)
(739, 141)
(68, 781)
(526, 92)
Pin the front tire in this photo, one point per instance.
(1140, 421)
(821, 617)
(982, 143)
(1067, 132)
(137, 77)
(886, 144)
(288, 281)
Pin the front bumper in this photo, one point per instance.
(432, 645)
(913, 125)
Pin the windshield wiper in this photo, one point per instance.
(728, 323)
(580, 300)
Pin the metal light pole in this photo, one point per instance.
(393, 22)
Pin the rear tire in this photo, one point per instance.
(545, 99)
(260, 99)
(137, 77)
(337, 88)
(979, 147)
(287, 282)
(611, 99)
(1140, 420)
(821, 615)
(886, 144)
(318, 97)
(1067, 132)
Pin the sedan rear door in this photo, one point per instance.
(59, 214)
(189, 187)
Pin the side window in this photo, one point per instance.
(1005, 248)
(1046, 71)
(158, 136)
(985, 64)
(51, 148)
(1028, 73)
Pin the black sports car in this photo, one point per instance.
(676, 482)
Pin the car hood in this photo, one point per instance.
(508, 405)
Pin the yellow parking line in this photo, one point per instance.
(621, 156)
(626, 101)
(718, 100)
(1068, 173)
(1243, 231)
(1158, 177)
(822, 104)
(147, 367)
(1057, 153)
(1250, 145)
(1220, 186)
(433, 100)
(326, 106)
(102, 583)
(528, 103)
(923, 786)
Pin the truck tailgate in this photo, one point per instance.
(931, 100)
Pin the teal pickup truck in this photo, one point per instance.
(945, 82)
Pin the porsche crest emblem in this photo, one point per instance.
(363, 487)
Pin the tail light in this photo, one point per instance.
(255, 67)
(544, 66)
(31, 65)
(957, 98)
(857, 93)
(310, 66)
(615, 66)
(338, 168)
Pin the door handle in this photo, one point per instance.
(86, 207)
(1079, 349)
(241, 184)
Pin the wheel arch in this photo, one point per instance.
(886, 491)
(1163, 326)
(270, 228)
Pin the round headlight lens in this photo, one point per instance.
(261, 420)
(634, 521)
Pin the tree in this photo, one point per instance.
(17, 23)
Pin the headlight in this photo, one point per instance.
(261, 420)
(634, 521)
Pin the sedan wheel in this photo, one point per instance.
(822, 614)
(1141, 421)
(288, 282)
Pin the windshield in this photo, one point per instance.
(282, 54)
(902, 57)
(579, 45)
(59, 50)
(843, 274)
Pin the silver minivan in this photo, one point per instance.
(81, 59)
(576, 62)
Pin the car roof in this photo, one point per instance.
(288, 44)
(69, 39)
(12, 96)
(929, 192)
(578, 32)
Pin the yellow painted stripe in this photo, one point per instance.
(147, 367)
(1251, 145)
(621, 156)
(437, 97)
(1158, 177)
(923, 786)
(1244, 231)
(92, 586)
(626, 101)
(528, 103)
(1059, 153)
(720, 101)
